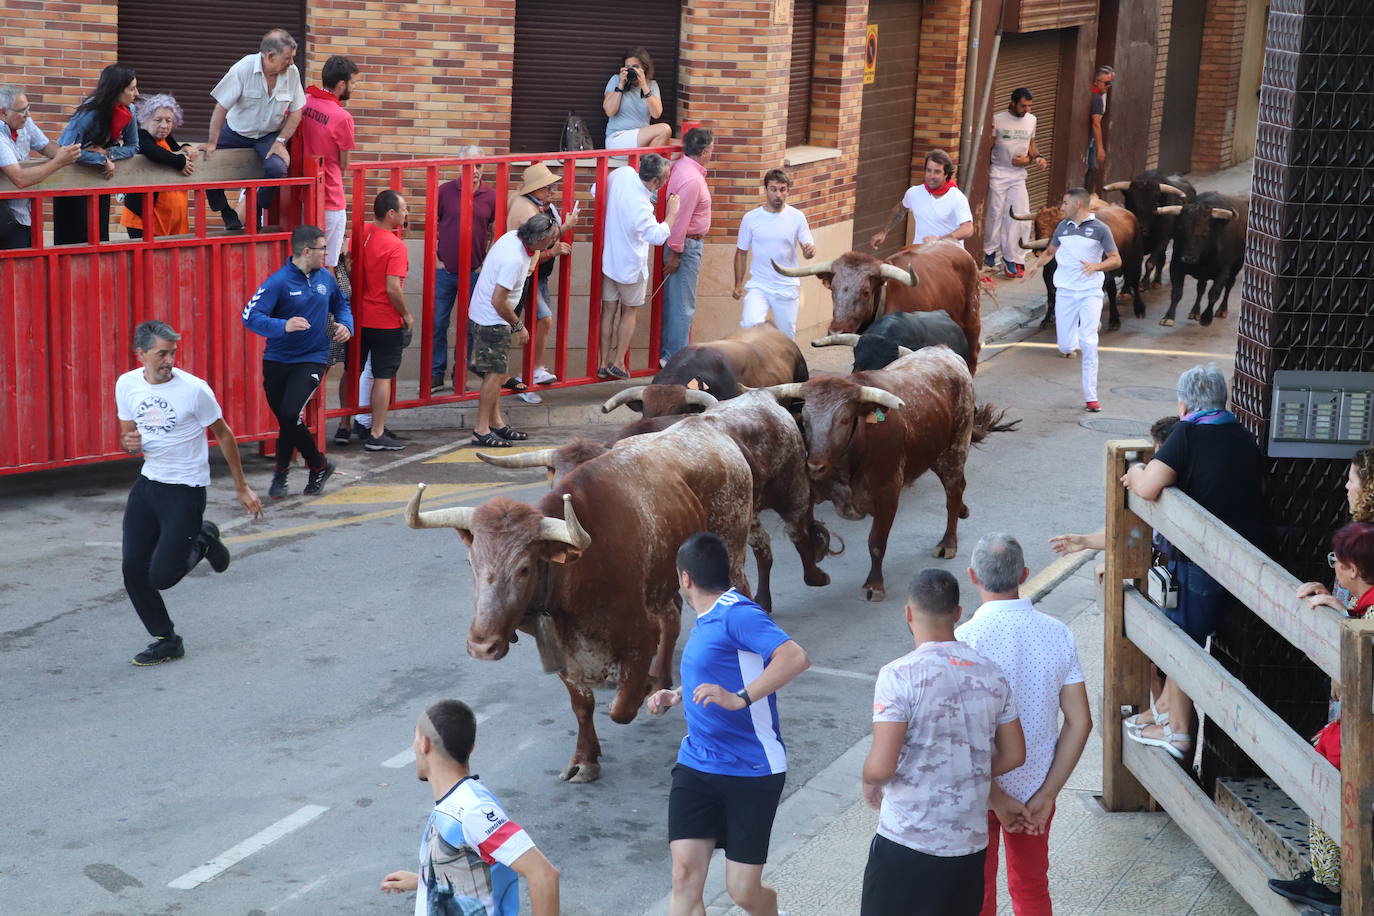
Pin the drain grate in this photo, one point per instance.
(1116, 427)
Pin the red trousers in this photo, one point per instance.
(1028, 866)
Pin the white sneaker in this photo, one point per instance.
(543, 376)
(531, 397)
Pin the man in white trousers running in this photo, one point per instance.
(1013, 148)
(771, 234)
(1089, 251)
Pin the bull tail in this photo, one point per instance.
(987, 288)
(822, 540)
(987, 420)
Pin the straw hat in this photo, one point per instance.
(535, 177)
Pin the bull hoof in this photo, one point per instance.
(963, 511)
(1156, 285)
(581, 772)
(873, 592)
(1166, 322)
(817, 577)
(1047, 322)
(1113, 324)
(944, 552)
(1221, 313)
(1193, 315)
(1205, 320)
(1139, 309)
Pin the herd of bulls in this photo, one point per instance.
(1207, 231)
(726, 430)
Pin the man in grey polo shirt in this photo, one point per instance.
(1089, 251)
(19, 137)
(258, 106)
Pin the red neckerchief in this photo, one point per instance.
(1363, 605)
(14, 135)
(320, 93)
(943, 189)
(1097, 91)
(118, 121)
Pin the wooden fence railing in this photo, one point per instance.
(1138, 633)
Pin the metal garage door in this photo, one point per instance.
(889, 111)
(1033, 61)
(185, 48)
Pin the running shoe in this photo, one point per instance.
(341, 435)
(990, 260)
(215, 551)
(162, 649)
(315, 485)
(386, 442)
(278, 488)
(1092, 407)
(543, 376)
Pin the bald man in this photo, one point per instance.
(472, 855)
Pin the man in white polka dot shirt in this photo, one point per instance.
(1037, 654)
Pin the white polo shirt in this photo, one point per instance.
(1038, 655)
(506, 265)
(631, 228)
(936, 215)
(13, 151)
(1074, 243)
(253, 111)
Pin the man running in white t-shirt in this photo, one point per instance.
(1013, 148)
(770, 235)
(164, 413)
(939, 210)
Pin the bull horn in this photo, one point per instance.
(1170, 189)
(702, 399)
(1023, 217)
(836, 340)
(1117, 186)
(789, 390)
(1172, 210)
(1220, 213)
(455, 517)
(880, 397)
(904, 351)
(1036, 244)
(893, 272)
(807, 270)
(540, 458)
(567, 529)
(634, 393)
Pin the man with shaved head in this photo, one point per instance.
(471, 854)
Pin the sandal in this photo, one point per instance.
(1135, 723)
(515, 384)
(1179, 745)
(488, 440)
(513, 435)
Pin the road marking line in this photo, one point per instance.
(258, 841)
(467, 454)
(407, 756)
(1025, 343)
(397, 492)
(839, 672)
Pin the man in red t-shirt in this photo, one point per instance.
(381, 310)
(327, 131)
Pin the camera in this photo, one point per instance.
(630, 76)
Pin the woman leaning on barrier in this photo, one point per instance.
(104, 126)
(1212, 458)
(158, 116)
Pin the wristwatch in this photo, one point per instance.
(743, 694)
(517, 327)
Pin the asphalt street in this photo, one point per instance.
(268, 771)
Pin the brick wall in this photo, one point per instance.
(1166, 18)
(940, 79)
(55, 49)
(1223, 42)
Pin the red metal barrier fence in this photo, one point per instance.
(419, 181)
(67, 315)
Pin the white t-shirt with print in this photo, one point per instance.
(936, 215)
(1011, 137)
(171, 418)
(507, 265)
(768, 237)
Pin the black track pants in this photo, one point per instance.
(288, 387)
(162, 544)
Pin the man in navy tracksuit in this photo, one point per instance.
(291, 309)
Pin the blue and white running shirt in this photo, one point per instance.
(729, 646)
(465, 856)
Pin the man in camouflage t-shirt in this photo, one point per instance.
(944, 724)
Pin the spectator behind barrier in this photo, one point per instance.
(104, 126)
(632, 101)
(157, 116)
(18, 139)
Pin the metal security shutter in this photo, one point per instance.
(565, 50)
(799, 74)
(1033, 61)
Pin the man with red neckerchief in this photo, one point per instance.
(938, 208)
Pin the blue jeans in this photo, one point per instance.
(1201, 601)
(445, 296)
(272, 166)
(680, 298)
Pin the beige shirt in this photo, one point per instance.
(254, 111)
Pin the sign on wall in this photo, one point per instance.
(871, 55)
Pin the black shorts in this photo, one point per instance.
(385, 346)
(901, 881)
(735, 811)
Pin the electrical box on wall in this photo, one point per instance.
(1321, 414)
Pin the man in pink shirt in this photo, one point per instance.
(682, 253)
(327, 131)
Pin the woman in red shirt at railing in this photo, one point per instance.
(104, 126)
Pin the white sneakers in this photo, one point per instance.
(543, 376)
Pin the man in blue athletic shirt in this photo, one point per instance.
(730, 770)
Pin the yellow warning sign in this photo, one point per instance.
(871, 55)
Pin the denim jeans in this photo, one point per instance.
(445, 297)
(272, 166)
(680, 299)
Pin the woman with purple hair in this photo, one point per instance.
(157, 116)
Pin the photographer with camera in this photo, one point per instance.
(631, 102)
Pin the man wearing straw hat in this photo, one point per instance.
(537, 192)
